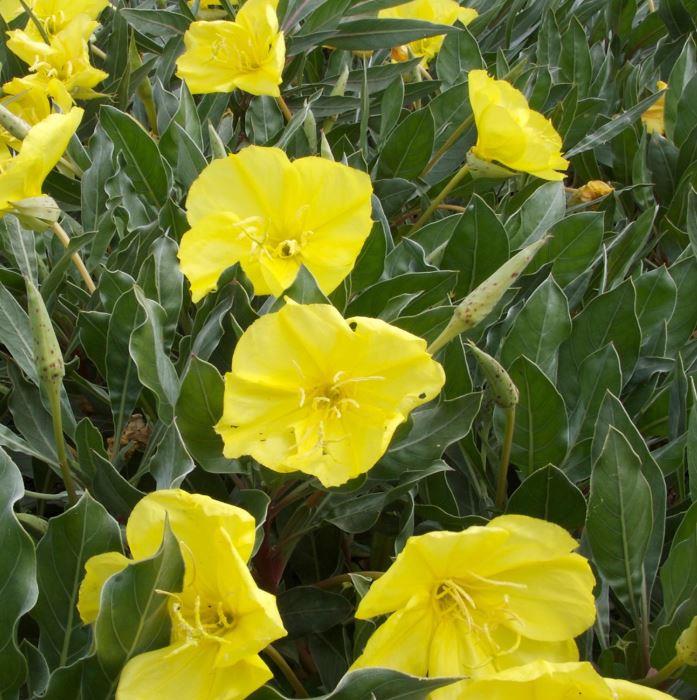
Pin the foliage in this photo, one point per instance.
(598, 334)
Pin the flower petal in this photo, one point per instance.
(98, 569)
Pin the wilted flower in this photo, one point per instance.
(554, 682)
(220, 620)
(248, 54)
(482, 600)
(510, 133)
(272, 216)
(22, 175)
(64, 60)
(312, 392)
(436, 11)
(654, 116)
(592, 190)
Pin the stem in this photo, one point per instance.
(447, 145)
(454, 182)
(287, 671)
(287, 114)
(64, 238)
(45, 496)
(97, 51)
(502, 483)
(334, 581)
(652, 6)
(33, 522)
(663, 674)
(452, 330)
(57, 421)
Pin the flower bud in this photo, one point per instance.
(399, 54)
(592, 190)
(340, 88)
(217, 145)
(48, 356)
(686, 646)
(325, 150)
(12, 123)
(503, 391)
(310, 129)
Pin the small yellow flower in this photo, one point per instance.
(510, 133)
(436, 11)
(272, 216)
(22, 175)
(476, 602)
(220, 620)
(248, 54)
(592, 190)
(654, 116)
(65, 60)
(312, 392)
(550, 681)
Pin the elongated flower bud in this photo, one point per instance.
(47, 353)
(310, 129)
(503, 391)
(12, 123)
(686, 646)
(217, 145)
(340, 88)
(480, 302)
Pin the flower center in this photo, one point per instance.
(200, 621)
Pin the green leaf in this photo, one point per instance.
(620, 520)
(307, 610)
(16, 335)
(144, 163)
(540, 327)
(458, 55)
(133, 615)
(72, 538)
(171, 462)
(548, 494)
(18, 589)
(156, 22)
(541, 434)
(22, 243)
(372, 34)
(409, 147)
(198, 409)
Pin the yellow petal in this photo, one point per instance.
(97, 570)
(192, 517)
(402, 642)
(181, 671)
(624, 690)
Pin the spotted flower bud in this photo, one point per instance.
(48, 356)
(503, 391)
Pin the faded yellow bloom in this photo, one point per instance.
(654, 116)
(272, 216)
(479, 601)
(22, 175)
(312, 392)
(65, 60)
(592, 190)
(220, 620)
(510, 133)
(247, 54)
(437, 11)
(550, 681)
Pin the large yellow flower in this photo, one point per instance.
(65, 59)
(436, 11)
(248, 54)
(220, 620)
(654, 117)
(55, 15)
(479, 601)
(272, 216)
(312, 392)
(555, 682)
(510, 133)
(22, 175)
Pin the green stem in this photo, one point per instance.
(340, 579)
(664, 674)
(502, 481)
(287, 114)
(452, 330)
(45, 496)
(447, 145)
(63, 237)
(442, 195)
(33, 522)
(287, 671)
(61, 451)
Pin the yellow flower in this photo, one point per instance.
(55, 15)
(25, 100)
(272, 216)
(312, 392)
(482, 600)
(64, 60)
(654, 116)
(220, 620)
(248, 54)
(555, 682)
(22, 175)
(9, 9)
(436, 11)
(510, 133)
